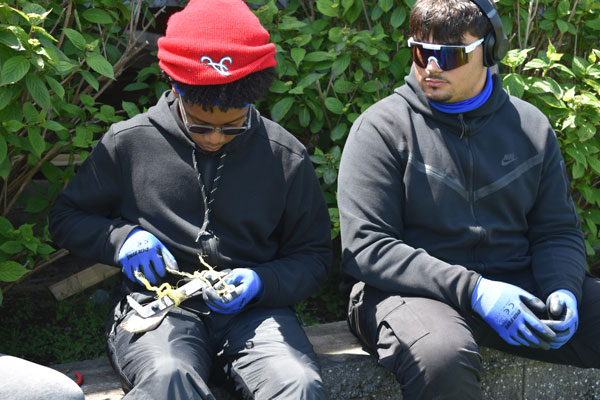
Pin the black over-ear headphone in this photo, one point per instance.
(495, 44)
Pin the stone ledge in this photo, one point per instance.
(350, 373)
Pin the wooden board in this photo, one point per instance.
(82, 280)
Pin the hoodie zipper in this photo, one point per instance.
(470, 185)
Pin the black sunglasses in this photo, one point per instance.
(447, 57)
(206, 129)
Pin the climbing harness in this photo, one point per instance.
(149, 316)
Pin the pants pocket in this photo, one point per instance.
(402, 320)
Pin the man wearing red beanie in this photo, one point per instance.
(203, 173)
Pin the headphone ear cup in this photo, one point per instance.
(489, 51)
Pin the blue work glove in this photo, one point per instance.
(562, 309)
(246, 286)
(508, 310)
(142, 251)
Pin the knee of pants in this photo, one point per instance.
(289, 379)
(167, 368)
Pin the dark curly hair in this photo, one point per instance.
(236, 94)
(447, 21)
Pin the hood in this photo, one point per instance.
(464, 124)
(165, 116)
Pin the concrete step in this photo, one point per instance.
(350, 373)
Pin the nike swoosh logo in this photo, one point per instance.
(504, 163)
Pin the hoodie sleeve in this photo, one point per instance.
(370, 199)
(304, 258)
(84, 217)
(557, 242)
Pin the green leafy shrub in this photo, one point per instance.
(335, 59)
(56, 59)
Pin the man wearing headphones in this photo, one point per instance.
(458, 228)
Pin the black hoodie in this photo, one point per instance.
(430, 201)
(267, 212)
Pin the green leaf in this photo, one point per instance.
(130, 108)
(329, 174)
(309, 80)
(386, 5)
(586, 132)
(87, 100)
(579, 66)
(552, 101)
(132, 87)
(340, 64)
(35, 204)
(577, 155)
(279, 87)
(5, 227)
(334, 105)
(594, 164)
(346, 4)
(304, 116)
(536, 63)
(514, 84)
(76, 38)
(55, 86)
(38, 90)
(317, 56)
(290, 24)
(90, 79)
(547, 86)
(577, 171)
(83, 137)
(14, 69)
(97, 16)
(11, 271)
(281, 108)
(10, 40)
(398, 17)
(100, 65)
(6, 95)
(366, 65)
(11, 247)
(339, 132)
(297, 55)
(13, 125)
(562, 25)
(38, 144)
(3, 149)
(328, 8)
(342, 86)
(564, 7)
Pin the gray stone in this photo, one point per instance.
(350, 373)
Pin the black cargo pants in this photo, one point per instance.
(433, 349)
(259, 354)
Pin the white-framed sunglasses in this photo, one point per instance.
(447, 57)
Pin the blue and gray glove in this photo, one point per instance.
(562, 309)
(509, 310)
(142, 251)
(247, 286)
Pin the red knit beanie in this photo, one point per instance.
(213, 42)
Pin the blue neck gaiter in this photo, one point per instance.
(469, 104)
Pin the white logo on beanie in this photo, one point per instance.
(220, 67)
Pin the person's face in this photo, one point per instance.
(458, 84)
(213, 141)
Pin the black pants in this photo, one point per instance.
(260, 353)
(434, 349)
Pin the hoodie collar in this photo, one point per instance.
(414, 95)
